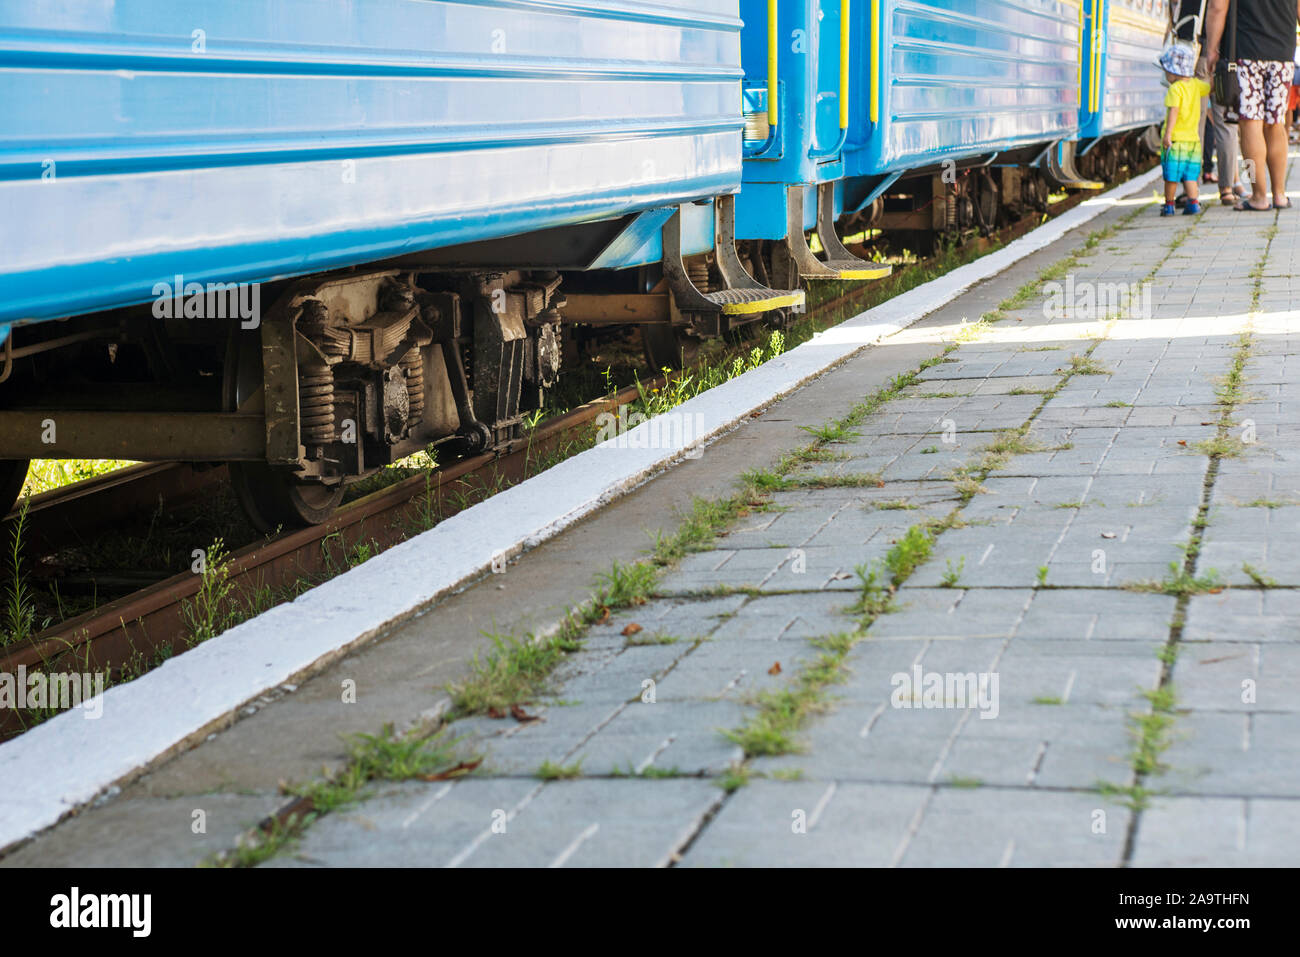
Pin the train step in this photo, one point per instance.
(741, 295)
(739, 302)
(839, 264)
(1058, 164)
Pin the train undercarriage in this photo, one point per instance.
(345, 373)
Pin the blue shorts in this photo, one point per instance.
(1181, 163)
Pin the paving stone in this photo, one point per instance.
(1258, 615)
(156, 832)
(670, 735)
(593, 823)
(808, 824)
(1218, 832)
(787, 617)
(998, 827)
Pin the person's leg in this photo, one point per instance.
(1254, 77)
(1225, 141)
(1225, 146)
(1171, 191)
(1275, 140)
(1254, 148)
(1277, 88)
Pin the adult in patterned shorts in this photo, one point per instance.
(1265, 47)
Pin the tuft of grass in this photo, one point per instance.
(1086, 365)
(626, 584)
(1041, 578)
(893, 504)
(1132, 796)
(953, 574)
(700, 526)
(513, 672)
(212, 610)
(558, 772)
(1180, 583)
(967, 486)
(909, 553)
(1048, 699)
(19, 612)
(1222, 447)
(735, 777)
(830, 432)
(1152, 731)
(1258, 576)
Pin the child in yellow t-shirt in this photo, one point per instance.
(1181, 158)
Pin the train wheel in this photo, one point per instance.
(667, 347)
(270, 498)
(274, 500)
(13, 473)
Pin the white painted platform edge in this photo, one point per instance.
(67, 761)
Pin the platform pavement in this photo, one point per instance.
(1110, 495)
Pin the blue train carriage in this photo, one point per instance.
(797, 58)
(964, 108)
(311, 238)
(1122, 99)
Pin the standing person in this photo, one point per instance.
(1181, 158)
(1265, 48)
(1220, 135)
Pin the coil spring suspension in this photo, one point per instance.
(316, 382)
(316, 404)
(413, 366)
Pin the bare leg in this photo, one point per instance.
(1254, 148)
(1193, 190)
(1276, 143)
(1171, 193)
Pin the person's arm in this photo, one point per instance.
(1215, 18)
(1170, 119)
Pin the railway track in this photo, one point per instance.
(134, 633)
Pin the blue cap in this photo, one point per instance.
(1178, 59)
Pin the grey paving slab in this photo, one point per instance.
(1218, 832)
(177, 831)
(513, 822)
(1253, 615)
(808, 824)
(996, 827)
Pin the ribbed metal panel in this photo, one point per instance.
(243, 140)
(1134, 95)
(966, 77)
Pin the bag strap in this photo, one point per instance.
(1232, 34)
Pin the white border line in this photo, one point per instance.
(67, 761)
